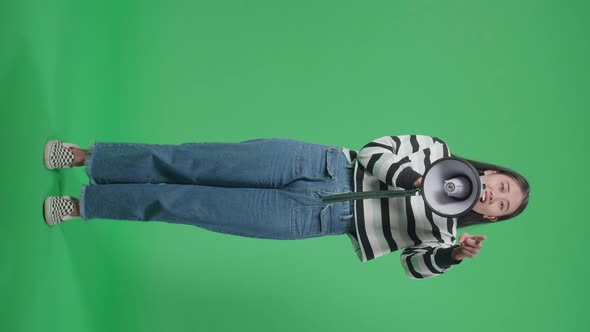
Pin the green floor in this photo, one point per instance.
(505, 82)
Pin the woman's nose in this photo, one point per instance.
(496, 194)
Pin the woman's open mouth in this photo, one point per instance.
(484, 197)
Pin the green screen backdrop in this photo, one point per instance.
(506, 82)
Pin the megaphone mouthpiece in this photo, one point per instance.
(458, 187)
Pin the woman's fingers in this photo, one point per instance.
(473, 239)
(472, 243)
(469, 251)
(463, 237)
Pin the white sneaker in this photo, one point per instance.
(58, 154)
(57, 209)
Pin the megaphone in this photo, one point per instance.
(450, 187)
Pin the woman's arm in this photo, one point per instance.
(389, 158)
(432, 259)
(427, 260)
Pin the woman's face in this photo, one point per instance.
(502, 195)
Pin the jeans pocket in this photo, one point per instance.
(310, 221)
(316, 162)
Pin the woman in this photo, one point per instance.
(272, 188)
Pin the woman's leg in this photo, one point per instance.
(251, 212)
(263, 163)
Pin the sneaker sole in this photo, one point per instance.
(46, 151)
(46, 210)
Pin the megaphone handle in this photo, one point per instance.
(369, 194)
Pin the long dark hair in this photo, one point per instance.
(474, 218)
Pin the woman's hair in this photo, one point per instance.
(474, 218)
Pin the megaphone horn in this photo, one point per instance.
(451, 187)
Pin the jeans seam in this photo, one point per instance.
(330, 155)
(224, 231)
(323, 222)
(294, 222)
(82, 202)
(88, 161)
(298, 159)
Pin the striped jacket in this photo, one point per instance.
(384, 225)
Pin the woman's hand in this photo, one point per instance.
(418, 183)
(470, 246)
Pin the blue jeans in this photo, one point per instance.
(263, 188)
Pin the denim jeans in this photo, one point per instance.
(263, 188)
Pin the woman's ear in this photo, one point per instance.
(490, 218)
(488, 172)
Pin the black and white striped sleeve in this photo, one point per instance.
(427, 260)
(389, 158)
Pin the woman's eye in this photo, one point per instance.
(502, 186)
